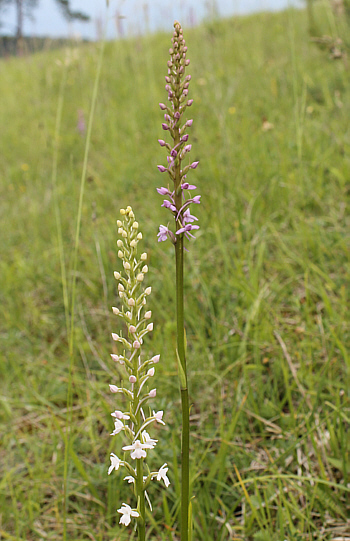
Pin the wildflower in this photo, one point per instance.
(138, 449)
(147, 439)
(163, 233)
(158, 417)
(177, 87)
(115, 463)
(118, 427)
(162, 474)
(127, 513)
(131, 424)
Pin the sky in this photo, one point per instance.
(125, 17)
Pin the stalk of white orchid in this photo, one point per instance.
(136, 416)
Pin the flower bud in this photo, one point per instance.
(150, 327)
(139, 236)
(128, 209)
(165, 126)
(119, 243)
(120, 230)
(162, 106)
(161, 168)
(117, 274)
(153, 393)
(155, 359)
(140, 277)
(132, 329)
(135, 225)
(145, 269)
(122, 212)
(115, 310)
(126, 265)
(131, 302)
(117, 358)
(144, 256)
(136, 344)
(119, 223)
(161, 142)
(132, 379)
(113, 388)
(124, 234)
(148, 291)
(189, 103)
(120, 287)
(133, 243)
(150, 372)
(120, 254)
(148, 314)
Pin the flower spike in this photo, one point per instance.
(177, 87)
(130, 422)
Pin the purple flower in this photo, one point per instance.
(165, 126)
(189, 103)
(163, 233)
(161, 142)
(187, 217)
(196, 199)
(168, 205)
(163, 191)
(186, 229)
(189, 123)
(173, 153)
(187, 148)
(187, 186)
(184, 138)
(162, 106)
(161, 168)
(194, 165)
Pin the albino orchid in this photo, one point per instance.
(127, 513)
(131, 421)
(115, 463)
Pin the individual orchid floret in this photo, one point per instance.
(130, 422)
(127, 513)
(177, 87)
(115, 463)
(162, 475)
(138, 449)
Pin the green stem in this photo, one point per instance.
(141, 499)
(185, 469)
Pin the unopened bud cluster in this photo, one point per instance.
(177, 85)
(134, 415)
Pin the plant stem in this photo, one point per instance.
(141, 499)
(184, 389)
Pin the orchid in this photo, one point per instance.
(177, 85)
(178, 201)
(131, 422)
(127, 513)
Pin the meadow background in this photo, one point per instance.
(267, 282)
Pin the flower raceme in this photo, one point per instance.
(132, 421)
(178, 198)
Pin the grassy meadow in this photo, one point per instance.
(266, 287)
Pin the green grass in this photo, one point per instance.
(267, 284)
